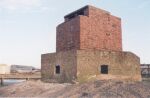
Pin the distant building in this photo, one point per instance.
(22, 69)
(4, 69)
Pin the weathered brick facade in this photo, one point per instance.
(89, 46)
(91, 28)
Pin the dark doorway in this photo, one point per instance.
(104, 69)
(57, 69)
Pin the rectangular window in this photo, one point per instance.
(104, 69)
(57, 69)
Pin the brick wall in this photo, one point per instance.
(68, 35)
(100, 30)
(96, 29)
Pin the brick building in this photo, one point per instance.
(88, 47)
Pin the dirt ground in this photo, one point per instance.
(95, 89)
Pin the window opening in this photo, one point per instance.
(104, 69)
(57, 69)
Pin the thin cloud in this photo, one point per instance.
(19, 4)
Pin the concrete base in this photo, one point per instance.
(86, 65)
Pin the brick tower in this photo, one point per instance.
(89, 46)
(89, 28)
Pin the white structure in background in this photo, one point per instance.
(4, 69)
(22, 69)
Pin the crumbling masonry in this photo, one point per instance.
(89, 47)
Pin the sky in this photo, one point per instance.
(28, 27)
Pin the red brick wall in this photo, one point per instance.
(96, 30)
(100, 31)
(68, 35)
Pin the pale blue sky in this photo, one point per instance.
(28, 27)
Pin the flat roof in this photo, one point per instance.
(83, 8)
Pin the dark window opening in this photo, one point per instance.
(104, 69)
(57, 69)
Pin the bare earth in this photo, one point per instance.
(95, 89)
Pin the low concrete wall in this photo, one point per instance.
(85, 65)
(67, 62)
(121, 65)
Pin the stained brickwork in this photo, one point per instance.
(85, 65)
(121, 65)
(67, 62)
(94, 29)
(68, 35)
